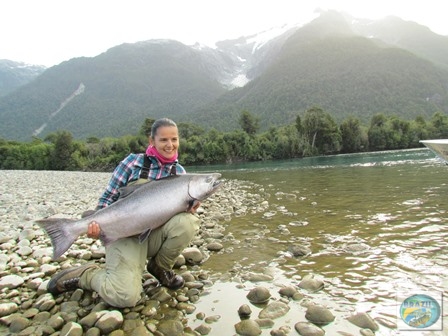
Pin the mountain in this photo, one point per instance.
(112, 93)
(15, 74)
(327, 64)
(346, 66)
(406, 35)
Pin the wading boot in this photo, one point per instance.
(169, 279)
(68, 279)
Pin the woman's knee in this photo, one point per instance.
(182, 225)
(127, 300)
(119, 288)
(122, 298)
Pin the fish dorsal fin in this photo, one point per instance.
(129, 189)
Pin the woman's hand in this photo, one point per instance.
(195, 207)
(93, 230)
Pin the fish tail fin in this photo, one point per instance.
(61, 238)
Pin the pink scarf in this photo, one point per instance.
(152, 151)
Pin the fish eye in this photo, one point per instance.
(209, 179)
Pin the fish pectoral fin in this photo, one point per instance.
(144, 235)
(105, 240)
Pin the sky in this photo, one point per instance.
(48, 32)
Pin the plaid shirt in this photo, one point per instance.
(129, 170)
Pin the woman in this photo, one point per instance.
(119, 283)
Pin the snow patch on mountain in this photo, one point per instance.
(260, 39)
(244, 52)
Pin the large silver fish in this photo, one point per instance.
(140, 208)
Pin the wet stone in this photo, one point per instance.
(367, 332)
(11, 281)
(287, 291)
(215, 246)
(93, 332)
(90, 320)
(56, 322)
(72, 329)
(297, 296)
(110, 321)
(8, 308)
(160, 294)
(42, 317)
(18, 323)
(170, 327)
(387, 323)
(30, 313)
(274, 310)
(77, 295)
(69, 307)
(265, 323)
(363, 320)
(257, 277)
(308, 329)
(203, 329)
(319, 315)
(247, 328)
(186, 307)
(312, 284)
(193, 256)
(299, 250)
(141, 331)
(129, 325)
(258, 294)
(244, 311)
(45, 302)
(212, 319)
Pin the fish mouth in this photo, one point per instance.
(213, 179)
(216, 184)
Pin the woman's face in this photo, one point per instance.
(166, 141)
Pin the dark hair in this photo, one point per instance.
(163, 122)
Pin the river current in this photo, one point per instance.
(375, 223)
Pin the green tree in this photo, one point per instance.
(439, 125)
(418, 131)
(351, 134)
(299, 124)
(187, 130)
(62, 151)
(377, 132)
(145, 129)
(321, 131)
(248, 122)
(398, 133)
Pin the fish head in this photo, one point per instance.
(202, 186)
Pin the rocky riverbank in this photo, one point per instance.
(26, 267)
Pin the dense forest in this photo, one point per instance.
(314, 133)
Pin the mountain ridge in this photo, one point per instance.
(346, 66)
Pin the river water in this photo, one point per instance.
(375, 223)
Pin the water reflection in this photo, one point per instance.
(375, 223)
